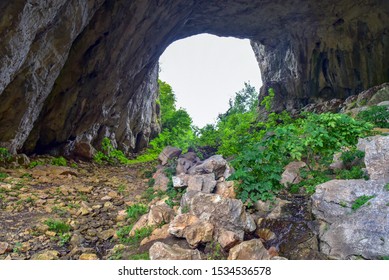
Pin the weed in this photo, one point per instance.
(384, 258)
(151, 182)
(361, 201)
(17, 247)
(123, 232)
(57, 226)
(140, 234)
(109, 154)
(30, 200)
(343, 203)
(216, 252)
(3, 176)
(26, 176)
(59, 161)
(185, 209)
(74, 165)
(387, 187)
(121, 189)
(135, 211)
(64, 239)
(35, 163)
(141, 256)
(149, 173)
(354, 173)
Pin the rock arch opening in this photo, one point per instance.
(205, 71)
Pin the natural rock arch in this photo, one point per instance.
(73, 73)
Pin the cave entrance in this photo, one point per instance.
(205, 71)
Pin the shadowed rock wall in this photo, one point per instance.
(74, 72)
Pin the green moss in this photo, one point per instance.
(361, 201)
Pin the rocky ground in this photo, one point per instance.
(89, 198)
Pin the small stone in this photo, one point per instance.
(46, 255)
(108, 205)
(50, 233)
(106, 198)
(160, 214)
(265, 234)
(84, 189)
(106, 234)
(121, 216)
(4, 248)
(88, 257)
(83, 211)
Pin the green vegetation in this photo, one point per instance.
(135, 211)
(57, 226)
(3, 176)
(387, 187)
(109, 154)
(4, 154)
(361, 201)
(60, 161)
(377, 115)
(35, 163)
(141, 256)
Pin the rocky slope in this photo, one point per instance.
(73, 73)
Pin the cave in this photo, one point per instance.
(72, 74)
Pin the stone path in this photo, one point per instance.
(90, 199)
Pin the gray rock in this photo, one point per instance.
(377, 157)
(160, 180)
(344, 232)
(215, 164)
(203, 183)
(161, 251)
(291, 174)
(223, 213)
(169, 153)
(249, 250)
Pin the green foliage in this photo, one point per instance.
(109, 154)
(60, 161)
(35, 163)
(313, 138)
(64, 239)
(57, 226)
(268, 100)
(123, 232)
(141, 256)
(377, 115)
(312, 178)
(387, 187)
(140, 234)
(360, 201)
(354, 173)
(135, 211)
(349, 156)
(3, 176)
(4, 154)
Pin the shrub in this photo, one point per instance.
(57, 226)
(60, 161)
(135, 211)
(109, 154)
(360, 201)
(377, 115)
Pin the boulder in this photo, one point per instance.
(202, 183)
(291, 174)
(225, 189)
(158, 233)
(160, 214)
(141, 223)
(161, 181)
(198, 233)
(345, 233)
(161, 251)
(46, 255)
(249, 250)
(185, 162)
(377, 157)
(215, 164)
(168, 153)
(88, 257)
(228, 239)
(180, 223)
(222, 212)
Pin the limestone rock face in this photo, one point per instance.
(73, 73)
(377, 157)
(346, 233)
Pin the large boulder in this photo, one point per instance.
(161, 251)
(346, 233)
(377, 157)
(169, 153)
(249, 250)
(223, 213)
(215, 164)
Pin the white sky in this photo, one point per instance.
(205, 71)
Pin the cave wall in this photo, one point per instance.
(74, 72)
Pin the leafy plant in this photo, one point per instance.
(3, 176)
(377, 115)
(135, 211)
(4, 154)
(59, 161)
(109, 154)
(354, 173)
(361, 201)
(57, 226)
(35, 163)
(64, 239)
(387, 187)
(141, 256)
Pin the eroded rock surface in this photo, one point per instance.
(71, 73)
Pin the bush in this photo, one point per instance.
(109, 154)
(377, 115)
(135, 211)
(60, 161)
